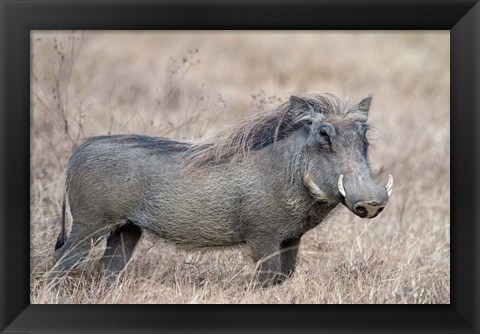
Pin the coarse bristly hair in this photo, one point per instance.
(260, 130)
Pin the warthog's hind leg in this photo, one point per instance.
(74, 251)
(120, 245)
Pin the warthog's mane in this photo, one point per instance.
(236, 142)
(260, 130)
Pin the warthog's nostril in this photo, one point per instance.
(360, 211)
(369, 209)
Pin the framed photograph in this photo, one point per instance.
(311, 153)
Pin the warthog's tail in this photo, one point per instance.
(61, 237)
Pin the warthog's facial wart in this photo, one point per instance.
(314, 189)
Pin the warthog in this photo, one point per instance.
(262, 183)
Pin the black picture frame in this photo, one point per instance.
(18, 17)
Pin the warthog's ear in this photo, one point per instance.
(302, 110)
(300, 106)
(363, 107)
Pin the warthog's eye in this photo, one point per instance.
(325, 132)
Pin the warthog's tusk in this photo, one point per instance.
(389, 185)
(340, 185)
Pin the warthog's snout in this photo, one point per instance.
(368, 202)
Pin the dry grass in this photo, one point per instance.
(190, 84)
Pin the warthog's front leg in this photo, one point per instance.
(268, 262)
(288, 256)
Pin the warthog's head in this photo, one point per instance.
(336, 167)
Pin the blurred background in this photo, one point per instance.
(188, 85)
